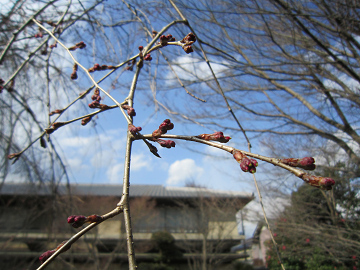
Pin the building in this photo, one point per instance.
(202, 222)
(255, 247)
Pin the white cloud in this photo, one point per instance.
(182, 170)
(189, 68)
(115, 173)
(139, 161)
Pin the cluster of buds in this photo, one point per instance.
(97, 67)
(1, 83)
(166, 143)
(165, 39)
(39, 34)
(131, 64)
(187, 41)
(47, 254)
(51, 23)
(130, 110)
(96, 101)
(306, 163)
(54, 45)
(148, 57)
(77, 220)
(86, 120)
(246, 164)
(14, 155)
(74, 75)
(54, 127)
(217, 136)
(325, 183)
(56, 112)
(134, 130)
(163, 128)
(80, 45)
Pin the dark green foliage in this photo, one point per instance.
(154, 266)
(242, 266)
(320, 230)
(165, 243)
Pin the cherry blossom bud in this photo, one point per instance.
(78, 221)
(73, 75)
(86, 120)
(217, 136)
(94, 218)
(189, 38)
(248, 165)
(306, 163)
(131, 112)
(81, 45)
(15, 155)
(56, 125)
(188, 49)
(134, 130)
(56, 112)
(46, 255)
(325, 183)
(238, 156)
(141, 48)
(42, 142)
(71, 219)
(104, 107)
(166, 125)
(148, 57)
(95, 104)
(166, 143)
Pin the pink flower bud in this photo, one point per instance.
(81, 45)
(238, 156)
(74, 75)
(71, 219)
(95, 104)
(141, 48)
(188, 49)
(79, 221)
(166, 125)
(85, 120)
(148, 57)
(306, 163)
(94, 218)
(248, 165)
(166, 143)
(131, 112)
(56, 125)
(189, 38)
(318, 181)
(134, 130)
(46, 255)
(15, 155)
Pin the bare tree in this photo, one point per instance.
(127, 36)
(287, 68)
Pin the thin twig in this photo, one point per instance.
(77, 236)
